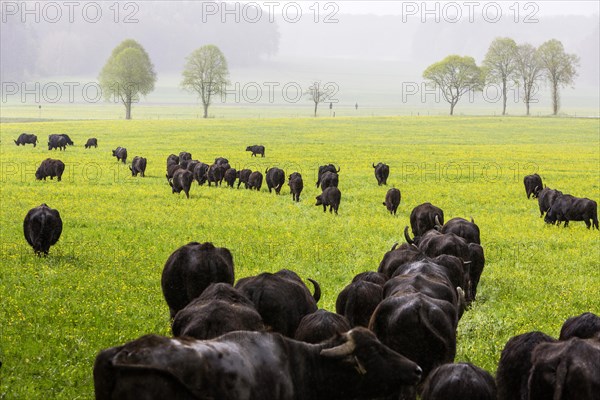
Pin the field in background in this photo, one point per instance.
(100, 286)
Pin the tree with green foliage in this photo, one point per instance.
(559, 67)
(127, 74)
(454, 76)
(206, 73)
(528, 72)
(500, 65)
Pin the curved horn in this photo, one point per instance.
(373, 165)
(338, 170)
(395, 245)
(437, 220)
(472, 220)
(407, 237)
(343, 350)
(317, 294)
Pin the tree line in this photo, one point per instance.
(506, 62)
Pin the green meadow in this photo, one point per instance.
(100, 285)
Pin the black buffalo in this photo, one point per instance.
(190, 165)
(42, 228)
(138, 166)
(255, 180)
(584, 326)
(57, 142)
(546, 197)
(172, 159)
(218, 310)
(371, 276)
(256, 149)
(392, 200)
(326, 168)
(282, 299)
(181, 180)
(221, 161)
(566, 370)
(569, 208)
(358, 300)
(252, 366)
(459, 381)
(398, 256)
(329, 179)
(192, 268)
(320, 326)
(275, 178)
(171, 169)
(184, 155)
(68, 140)
(50, 168)
(200, 173)
(425, 217)
(331, 197)
(243, 176)
(230, 176)
(533, 184)
(91, 142)
(26, 138)
(121, 154)
(463, 228)
(296, 185)
(215, 174)
(514, 365)
(382, 171)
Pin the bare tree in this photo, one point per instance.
(528, 71)
(559, 68)
(318, 93)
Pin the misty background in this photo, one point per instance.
(373, 52)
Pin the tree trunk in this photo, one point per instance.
(452, 104)
(316, 104)
(128, 109)
(555, 99)
(527, 106)
(205, 106)
(504, 97)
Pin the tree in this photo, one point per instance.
(127, 74)
(206, 73)
(455, 76)
(559, 68)
(500, 65)
(528, 71)
(318, 93)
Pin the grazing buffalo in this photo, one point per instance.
(398, 256)
(172, 159)
(382, 171)
(546, 197)
(192, 268)
(200, 173)
(275, 178)
(50, 168)
(42, 228)
(67, 141)
(215, 174)
(320, 326)
(256, 149)
(67, 138)
(91, 142)
(230, 176)
(583, 326)
(331, 197)
(282, 299)
(138, 166)
(329, 179)
(57, 142)
(255, 181)
(569, 208)
(181, 180)
(425, 217)
(121, 154)
(218, 310)
(252, 366)
(26, 138)
(357, 301)
(296, 185)
(243, 176)
(566, 370)
(184, 155)
(463, 228)
(326, 168)
(392, 200)
(533, 184)
(514, 365)
(459, 381)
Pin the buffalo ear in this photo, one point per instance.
(383, 203)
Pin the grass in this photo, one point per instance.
(100, 286)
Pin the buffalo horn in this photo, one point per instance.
(343, 350)
(407, 237)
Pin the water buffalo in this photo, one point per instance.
(184, 155)
(463, 228)
(181, 180)
(57, 142)
(382, 171)
(192, 268)
(252, 366)
(172, 159)
(255, 181)
(91, 142)
(398, 256)
(583, 326)
(138, 166)
(425, 217)
(546, 197)
(243, 176)
(569, 208)
(275, 178)
(42, 228)
(215, 174)
(121, 154)
(200, 173)
(256, 149)
(533, 184)
(459, 381)
(357, 301)
(221, 161)
(296, 185)
(320, 326)
(326, 168)
(26, 138)
(50, 168)
(67, 141)
(329, 179)
(392, 200)
(230, 176)
(331, 197)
